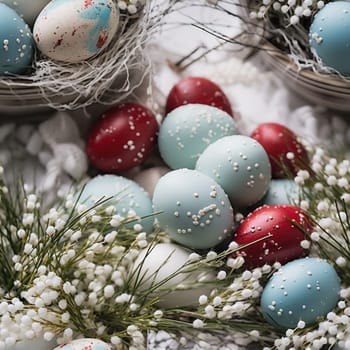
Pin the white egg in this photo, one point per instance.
(28, 10)
(75, 30)
(160, 265)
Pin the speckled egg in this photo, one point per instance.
(329, 35)
(240, 165)
(75, 30)
(194, 209)
(273, 233)
(84, 344)
(188, 130)
(127, 196)
(28, 10)
(304, 289)
(16, 43)
(281, 191)
(155, 265)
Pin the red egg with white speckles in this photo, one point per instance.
(287, 227)
(285, 151)
(122, 138)
(197, 90)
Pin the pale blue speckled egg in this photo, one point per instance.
(329, 35)
(127, 196)
(188, 130)
(84, 344)
(302, 290)
(194, 209)
(240, 165)
(16, 43)
(75, 30)
(281, 191)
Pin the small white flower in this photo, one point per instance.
(221, 275)
(301, 324)
(197, 323)
(305, 244)
(246, 275)
(217, 301)
(158, 314)
(203, 299)
(193, 257)
(341, 261)
(211, 255)
(108, 291)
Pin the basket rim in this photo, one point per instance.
(320, 79)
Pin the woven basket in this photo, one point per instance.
(329, 91)
(105, 79)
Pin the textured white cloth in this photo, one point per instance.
(48, 156)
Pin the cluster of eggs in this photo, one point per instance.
(68, 31)
(210, 172)
(329, 36)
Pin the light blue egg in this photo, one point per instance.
(127, 195)
(329, 35)
(195, 211)
(303, 289)
(240, 165)
(281, 191)
(188, 130)
(16, 43)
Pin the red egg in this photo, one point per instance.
(288, 226)
(285, 152)
(197, 90)
(122, 138)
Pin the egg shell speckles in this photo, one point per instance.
(127, 195)
(16, 43)
(188, 130)
(166, 259)
(288, 226)
(329, 35)
(84, 344)
(195, 211)
(122, 138)
(28, 10)
(240, 166)
(304, 289)
(75, 30)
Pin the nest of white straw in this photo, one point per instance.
(106, 79)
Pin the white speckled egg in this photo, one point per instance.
(16, 43)
(281, 191)
(28, 10)
(303, 289)
(84, 344)
(163, 260)
(194, 209)
(240, 165)
(127, 196)
(75, 30)
(188, 130)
